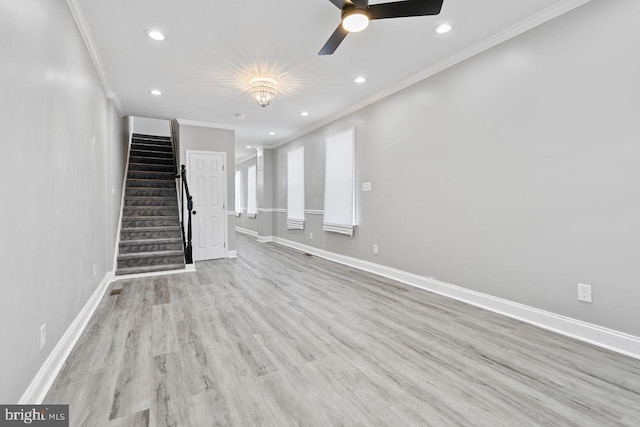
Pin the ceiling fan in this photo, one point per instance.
(356, 15)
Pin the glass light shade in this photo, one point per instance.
(263, 89)
(356, 20)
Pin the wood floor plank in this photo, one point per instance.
(278, 338)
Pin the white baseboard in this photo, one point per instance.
(610, 339)
(266, 239)
(247, 231)
(232, 254)
(39, 387)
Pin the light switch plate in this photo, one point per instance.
(366, 186)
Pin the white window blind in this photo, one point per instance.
(252, 197)
(339, 183)
(295, 189)
(238, 192)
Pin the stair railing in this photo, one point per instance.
(184, 191)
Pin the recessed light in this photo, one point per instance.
(156, 35)
(272, 133)
(360, 79)
(304, 114)
(155, 92)
(248, 146)
(443, 28)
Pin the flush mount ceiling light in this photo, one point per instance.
(156, 35)
(354, 20)
(443, 28)
(263, 89)
(360, 79)
(155, 92)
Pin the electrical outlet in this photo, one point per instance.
(584, 292)
(366, 186)
(375, 249)
(43, 336)
(95, 271)
(310, 236)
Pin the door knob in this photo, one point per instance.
(194, 212)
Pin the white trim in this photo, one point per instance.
(39, 386)
(85, 32)
(188, 268)
(609, 339)
(234, 213)
(494, 40)
(224, 197)
(232, 254)
(306, 211)
(266, 239)
(270, 210)
(247, 231)
(205, 124)
(116, 250)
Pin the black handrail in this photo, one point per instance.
(184, 188)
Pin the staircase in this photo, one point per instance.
(150, 237)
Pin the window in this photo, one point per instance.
(238, 192)
(252, 198)
(295, 189)
(339, 183)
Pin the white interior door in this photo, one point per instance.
(207, 181)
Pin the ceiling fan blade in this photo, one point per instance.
(338, 3)
(334, 41)
(402, 9)
(362, 4)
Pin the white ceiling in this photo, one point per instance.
(213, 46)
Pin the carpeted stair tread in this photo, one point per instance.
(152, 241)
(144, 151)
(150, 201)
(155, 254)
(148, 269)
(153, 160)
(162, 175)
(162, 228)
(156, 148)
(150, 183)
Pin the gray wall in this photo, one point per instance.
(514, 173)
(63, 152)
(210, 139)
(243, 220)
(147, 126)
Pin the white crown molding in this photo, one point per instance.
(500, 37)
(41, 383)
(610, 339)
(85, 32)
(187, 122)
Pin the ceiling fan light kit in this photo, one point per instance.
(355, 20)
(356, 15)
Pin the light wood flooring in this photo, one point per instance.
(278, 338)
